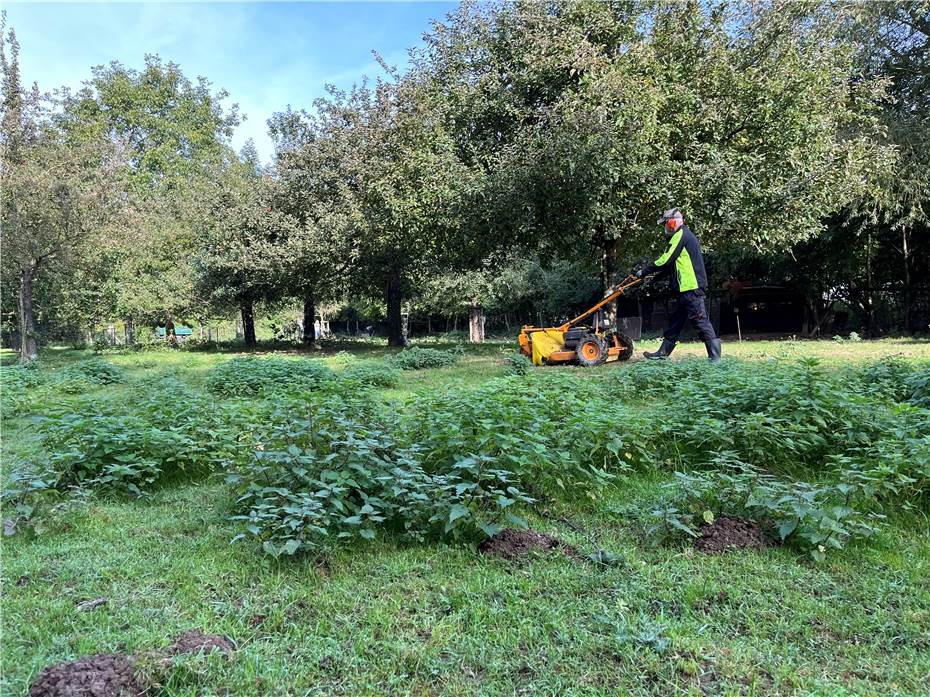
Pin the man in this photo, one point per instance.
(689, 280)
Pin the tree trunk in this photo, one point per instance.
(907, 281)
(248, 323)
(395, 329)
(170, 335)
(609, 276)
(130, 332)
(309, 337)
(28, 346)
(475, 323)
(868, 300)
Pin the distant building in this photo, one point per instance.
(183, 333)
(761, 310)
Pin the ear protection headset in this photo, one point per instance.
(673, 223)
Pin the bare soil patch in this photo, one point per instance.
(114, 674)
(196, 641)
(513, 545)
(730, 532)
(103, 675)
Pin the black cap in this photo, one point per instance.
(668, 215)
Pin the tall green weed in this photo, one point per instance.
(336, 470)
(814, 517)
(418, 358)
(250, 375)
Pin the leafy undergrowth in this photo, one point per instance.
(816, 462)
(338, 471)
(372, 375)
(815, 456)
(29, 389)
(418, 358)
(249, 375)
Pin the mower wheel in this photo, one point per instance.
(624, 342)
(591, 350)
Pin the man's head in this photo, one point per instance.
(672, 219)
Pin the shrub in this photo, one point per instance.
(541, 427)
(781, 415)
(918, 387)
(372, 375)
(518, 364)
(93, 372)
(815, 518)
(247, 376)
(95, 446)
(30, 500)
(417, 358)
(893, 467)
(659, 379)
(887, 378)
(337, 472)
(210, 431)
(74, 384)
(343, 359)
(18, 388)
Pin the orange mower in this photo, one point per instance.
(585, 344)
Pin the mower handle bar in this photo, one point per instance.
(613, 294)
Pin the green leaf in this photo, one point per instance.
(490, 529)
(458, 511)
(787, 527)
(676, 523)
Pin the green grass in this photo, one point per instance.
(434, 619)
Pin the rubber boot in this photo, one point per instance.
(665, 350)
(713, 350)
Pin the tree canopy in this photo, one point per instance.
(522, 133)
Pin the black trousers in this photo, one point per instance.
(690, 306)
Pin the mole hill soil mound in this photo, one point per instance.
(514, 545)
(727, 532)
(114, 675)
(195, 641)
(102, 675)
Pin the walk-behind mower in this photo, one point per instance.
(587, 344)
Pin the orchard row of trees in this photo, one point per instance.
(526, 143)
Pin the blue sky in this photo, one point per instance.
(267, 55)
